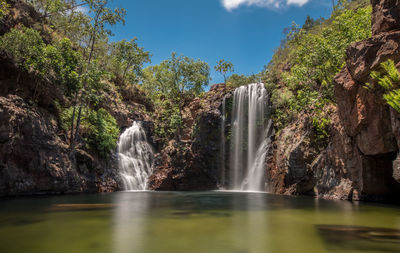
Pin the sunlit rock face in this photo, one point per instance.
(366, 118)
(360, 161)
(386, 16)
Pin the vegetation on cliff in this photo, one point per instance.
(300, 75)
(70, 49)
(389, 82)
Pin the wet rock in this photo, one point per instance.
(192, 163)
(33, 158)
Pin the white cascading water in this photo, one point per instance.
(135, 158)
(222, 153)
(249, 143)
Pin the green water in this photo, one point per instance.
(195, 222)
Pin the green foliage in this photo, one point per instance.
(74, 55)
(169, 83)
(26, 46)
(104, 131)
(320, 122)
(389, 81)
(224, 67)
(236, 80)
(175, 77)
(101, 19)
(65, 63)
(99, 128)
(309, 58)
(56, 62)
(129, 59)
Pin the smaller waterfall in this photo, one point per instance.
(135, 158)
(223, 118)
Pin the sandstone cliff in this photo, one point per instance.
(359, 162)
(34, 150)
(194, 163)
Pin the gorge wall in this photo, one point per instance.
(361, 160)
(194, 162)
(34, 151)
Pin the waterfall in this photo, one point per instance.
(223, 118)
(250, 141)
(135, 158)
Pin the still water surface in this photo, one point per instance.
(231, 222)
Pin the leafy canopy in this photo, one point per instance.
(168, 84)
(224, 67)
(309, 58)
(129, 59)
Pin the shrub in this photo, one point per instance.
(98, 128)
(57, 63)
(389, 81)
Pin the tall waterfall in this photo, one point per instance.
(249, 141)
(135, 158)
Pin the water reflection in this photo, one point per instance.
(129, 222)
(196, 222)
(342, 237)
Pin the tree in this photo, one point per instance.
(57, 63)
(130, 58)
(236, 80)
(102, 17)
(173, 79)
(224, 67)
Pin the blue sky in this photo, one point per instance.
(245, 32)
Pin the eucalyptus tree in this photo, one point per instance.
(101, 18)
(174, 78)
(130, 58)
(224, 67)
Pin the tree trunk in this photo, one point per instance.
(71, 140)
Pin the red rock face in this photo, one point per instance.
(193, 163)
(386, 16)
(366, 118)
(361, 160)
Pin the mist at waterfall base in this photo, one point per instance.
(135, 158)
(249, 140)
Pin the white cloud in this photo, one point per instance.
(297, 2)
(233, 4)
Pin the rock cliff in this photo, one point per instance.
(359, 162)
(34, 151)
(194, 163)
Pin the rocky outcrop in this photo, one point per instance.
(359, 162)
(34, 159)
(386, 16)
(193, 163)
(34, 151)
(366, 118)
